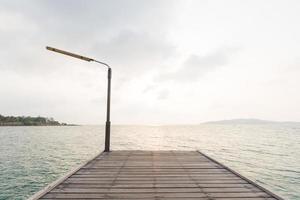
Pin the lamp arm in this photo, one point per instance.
(102, 63)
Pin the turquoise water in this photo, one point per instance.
(32, 157)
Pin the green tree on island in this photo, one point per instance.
(28, 121)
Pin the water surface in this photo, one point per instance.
(32, 157)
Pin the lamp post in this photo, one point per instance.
(109, 74)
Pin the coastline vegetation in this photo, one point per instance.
(28, 121)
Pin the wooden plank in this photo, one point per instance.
(160, 182)
(152, 185)
(167, 198)
(120, 175)
(153, 195)
(155, 175)
(155, 190)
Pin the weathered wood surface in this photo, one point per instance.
(155, 175)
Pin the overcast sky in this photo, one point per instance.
(174, 62)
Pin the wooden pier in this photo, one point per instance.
(154, 175)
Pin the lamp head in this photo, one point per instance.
(69, 54)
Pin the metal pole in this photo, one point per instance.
(107, 125)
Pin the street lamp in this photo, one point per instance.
(109, 73)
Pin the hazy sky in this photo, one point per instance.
(173, 61)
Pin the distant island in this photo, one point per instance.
(250, 121)
(28, 121)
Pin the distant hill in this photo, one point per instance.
(28, 121)
(250, 121)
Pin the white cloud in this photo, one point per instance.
(163, 94)
(132, 52)
(195, 66)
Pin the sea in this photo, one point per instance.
(33, 157)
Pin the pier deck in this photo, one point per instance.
(154, 175)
